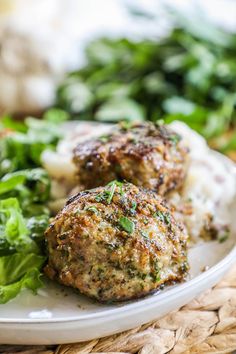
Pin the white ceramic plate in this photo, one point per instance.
(59, 315)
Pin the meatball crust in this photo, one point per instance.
(144, 154)
(116, 243)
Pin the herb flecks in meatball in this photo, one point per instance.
(115, 243)
(144, 154)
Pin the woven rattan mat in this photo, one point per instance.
(206, 325)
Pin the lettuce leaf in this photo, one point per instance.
(14, 235)
(24, 193)
(14, 267)
(31, 280)
(30, 187)
(22, 144)
(9, 183)
(20, 261)
(36, 226)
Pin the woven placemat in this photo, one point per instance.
(206, 325)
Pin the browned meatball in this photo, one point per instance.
(116, 243)
(146, 154)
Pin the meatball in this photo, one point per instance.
(145, 154)
(116, 243)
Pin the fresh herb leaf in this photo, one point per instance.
(132, 210)
(107, 195)
(144, 234)
(126, 224)
(112, 191)
(163, 217)
(93, 209)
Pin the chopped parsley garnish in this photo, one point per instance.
(144, 234)
(93, 209)
(101, 197)
(126, 224)
(156, 271)
(118, 184)
(132, 210)
(112, 191)
(107, 195)
(163, 217)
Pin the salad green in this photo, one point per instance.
(24, 193)
(22, 143)
(188, 75)
(30, 187)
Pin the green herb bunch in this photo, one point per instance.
(189, 75)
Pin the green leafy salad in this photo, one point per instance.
(24, 193)
(189, 75)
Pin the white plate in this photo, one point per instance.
(59, 315)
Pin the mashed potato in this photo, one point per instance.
(209, 189)
(207, 195)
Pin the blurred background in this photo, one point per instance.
(122, 60)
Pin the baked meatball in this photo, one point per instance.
(115, 243)
(145, 154)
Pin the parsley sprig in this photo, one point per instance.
(107, 195)
(126, 224)
(163, 217)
